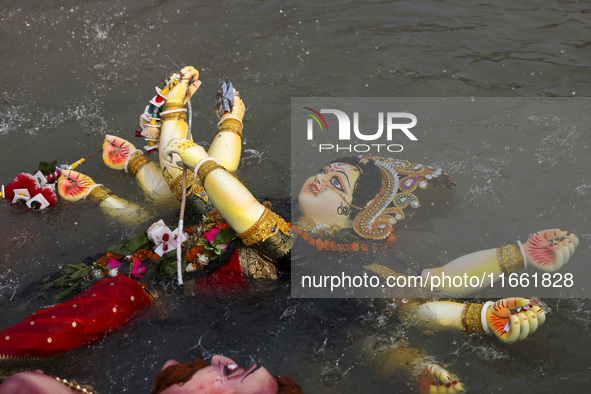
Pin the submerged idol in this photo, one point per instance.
(351, 205)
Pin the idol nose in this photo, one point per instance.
(321, 181)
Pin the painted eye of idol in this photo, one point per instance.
(339, 178)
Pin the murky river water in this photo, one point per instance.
(68, 66)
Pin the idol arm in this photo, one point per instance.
(546, 250)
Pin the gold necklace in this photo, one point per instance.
(77, 387)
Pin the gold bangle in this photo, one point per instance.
(176, 187)
(170, 106)
(205, 169)
(231, 125)
(174, 116)
(137, 162)
(471, 318)
(231, 130)
(99, 194)
(264, 228)
(510, 259)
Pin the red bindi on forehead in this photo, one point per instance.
(337, 166)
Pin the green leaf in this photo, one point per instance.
(119, 249)
(223, 237)
(80, 273)
(54, 282)
(137, 241)
(47, 168)
(69, 292)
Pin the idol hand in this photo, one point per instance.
(116, 151)
(73, 186)
(238, 108)
(190, 152)
(549, 250)
(513, 319)
(436, 379)
(188, 84)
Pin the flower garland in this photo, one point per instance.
(325, 243)
(207, 241)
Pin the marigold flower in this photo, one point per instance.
(223, 225)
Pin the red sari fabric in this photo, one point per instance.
(223, 281)
(84, 319)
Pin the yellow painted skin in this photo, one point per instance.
(232, 199)
(116, 151)
(73, 186)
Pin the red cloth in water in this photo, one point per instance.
(223, 281)
(84, 319)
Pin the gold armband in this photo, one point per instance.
(137, 162)
(471, 318)
(171, 106)
(174, 116)
(510, 259)
(206, 168)
(176, 187)
(232, 126)
(267, 226)
(99, 194)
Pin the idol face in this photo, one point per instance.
(225, 376)
(326, 197)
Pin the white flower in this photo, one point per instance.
(98, 274)
(164, 238)
(190, 268)
(154, 228)
(203, 259)
(113, 272)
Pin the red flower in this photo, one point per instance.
(137, 270)
(22, 181)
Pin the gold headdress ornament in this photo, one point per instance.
(400, 178)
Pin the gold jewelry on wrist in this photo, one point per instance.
(206, 168)
(99, 194)
(267, 226)
(137, 162)
(170, 106)
(471, 318)
(174, 116)
(232, 126)
(176, 187)
(510, 259)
